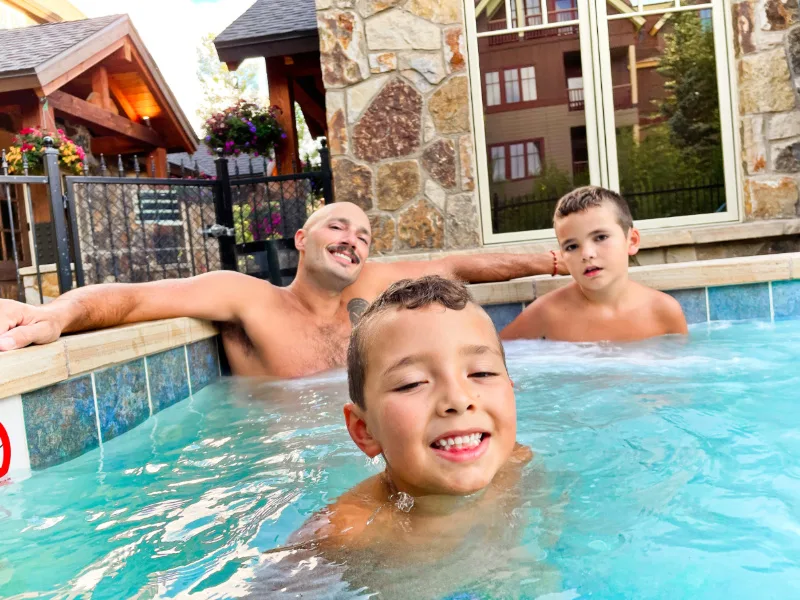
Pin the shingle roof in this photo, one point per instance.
(272, 18)
(205, 162)
(26, 48)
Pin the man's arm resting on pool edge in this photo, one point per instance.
(218, 296)
(472, 268)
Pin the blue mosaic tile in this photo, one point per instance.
(503, 314)
(121, 398)
(786, 299)
(693, 303)
(739, 302)
(169, 382)
(60, 422)
(203, 363)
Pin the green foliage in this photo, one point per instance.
(244, 128)
(221, 87)
(551, 183)
(691, 105)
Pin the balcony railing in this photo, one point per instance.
(622, 97)
(575, 98)
(553, 16)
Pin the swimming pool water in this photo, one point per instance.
(662, 469)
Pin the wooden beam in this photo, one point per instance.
(80, 109)
(312, 111)
(81, 68)
(158, 159)
(280, 94)
(161, 99)
(111, 145)
(122, 100)
(127, 53)
(100, 88)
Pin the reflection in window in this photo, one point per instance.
(528, 75)
(533, 12)
(498, 163)
(517, 161)
(705, 19)
(512, 85)
(492, 88)
(534, 160)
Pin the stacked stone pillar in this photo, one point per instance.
(399, 122)
(767, 45)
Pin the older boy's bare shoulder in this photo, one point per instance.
(662, 307)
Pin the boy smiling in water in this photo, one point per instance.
(596, 235)
(431, 395)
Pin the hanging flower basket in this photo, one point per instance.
(30, 142)
(244, 128)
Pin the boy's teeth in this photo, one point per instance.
(460, 442)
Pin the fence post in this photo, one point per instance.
(327, 174)
(223, 207)
(59, 215)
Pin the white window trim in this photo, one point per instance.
(601, 139)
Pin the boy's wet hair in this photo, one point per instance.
(591, 196)
(409, 294)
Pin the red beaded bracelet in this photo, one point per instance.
(555, 263)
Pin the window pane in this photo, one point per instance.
(512, 85)
(517, 152)
(666, 113)
(534, 161)
(528, 75)
(498, 163)
(534, 68)
(492, 88)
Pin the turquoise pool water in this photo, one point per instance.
(662, 470)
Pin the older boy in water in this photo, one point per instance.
(595, 232)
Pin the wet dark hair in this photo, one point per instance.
(408, 294)
(591, 196)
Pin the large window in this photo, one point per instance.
(636, 109)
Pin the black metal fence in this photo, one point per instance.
(526, 213)
(122, 225)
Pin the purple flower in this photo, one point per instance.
(284, 136)
(255, 153)
(247, 144)
(208, 138)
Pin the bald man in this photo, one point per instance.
(266, 330)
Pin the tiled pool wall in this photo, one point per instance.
(766, 301)
(54, 424)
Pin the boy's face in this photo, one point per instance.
(594, 246)
(440, 405)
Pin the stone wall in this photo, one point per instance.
(767, 44)
(400, 129)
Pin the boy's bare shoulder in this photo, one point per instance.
(663, 307)
(343, 522)
(541, 314)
